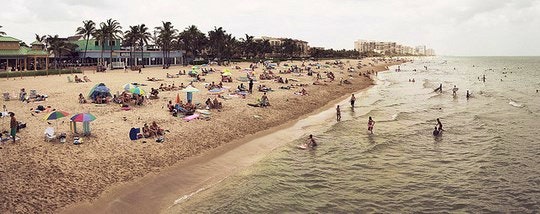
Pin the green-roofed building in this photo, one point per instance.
(14, 57)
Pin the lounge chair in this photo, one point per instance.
(6, 96)
(49, 134)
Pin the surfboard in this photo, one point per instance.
(302, 146)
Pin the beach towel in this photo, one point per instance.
(133, 133)
(192, 117)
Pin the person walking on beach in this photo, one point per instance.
(250, 86)
(370, 124)
(338, 113)
(13, 125)
(353, 99)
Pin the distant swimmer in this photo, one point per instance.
(338, 114)
(439, 88)
(484, 78)
(413, 80)
(370, 125)
(468, 94)
(454, 90)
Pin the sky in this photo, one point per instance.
(451, 27)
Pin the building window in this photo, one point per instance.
(112, 43)
(96, 43)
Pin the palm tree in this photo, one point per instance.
(2, 32)
(112, 32)
(99, 35)
(130, 40)
(87, 30)
(220, 43)
(59, 46)
(192, 40)
(143, 36)
(248, 46)
(167, 33)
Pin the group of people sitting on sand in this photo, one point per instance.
(126, 98)
(215, 104)
(84, 79)
(152, 131)
(213, 85)
(172, 87)
(187, 108)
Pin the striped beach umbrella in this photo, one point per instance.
(83, 117)
(138, 91)
(129, 86)
(55, 115)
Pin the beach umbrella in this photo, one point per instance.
(55, 115)
(189, 92)
(138, 91)
(190, 88)
(227, 72)
(83, 117)
(129, 86)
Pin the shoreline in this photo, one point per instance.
(127, 197)
(201, 172)
(55, 177)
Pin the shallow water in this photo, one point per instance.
(487, 160)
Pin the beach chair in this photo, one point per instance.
(69, 79)
(49, 134)
(6, 96)
(33, 94)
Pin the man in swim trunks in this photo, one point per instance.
(353, 99)
(371, 123)
(338, 114)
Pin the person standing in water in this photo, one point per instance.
(436, 131)
(338, 113)
(353, 99)
(468, 94)
(439, 124)
(311, 142)
(454, 90)
(370, 124)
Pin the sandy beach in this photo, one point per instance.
(43, 177)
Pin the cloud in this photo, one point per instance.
(457, 27)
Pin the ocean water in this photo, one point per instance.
(487, 160)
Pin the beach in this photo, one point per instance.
(38, 176)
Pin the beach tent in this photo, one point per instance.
(190, 90)
(99, 90)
